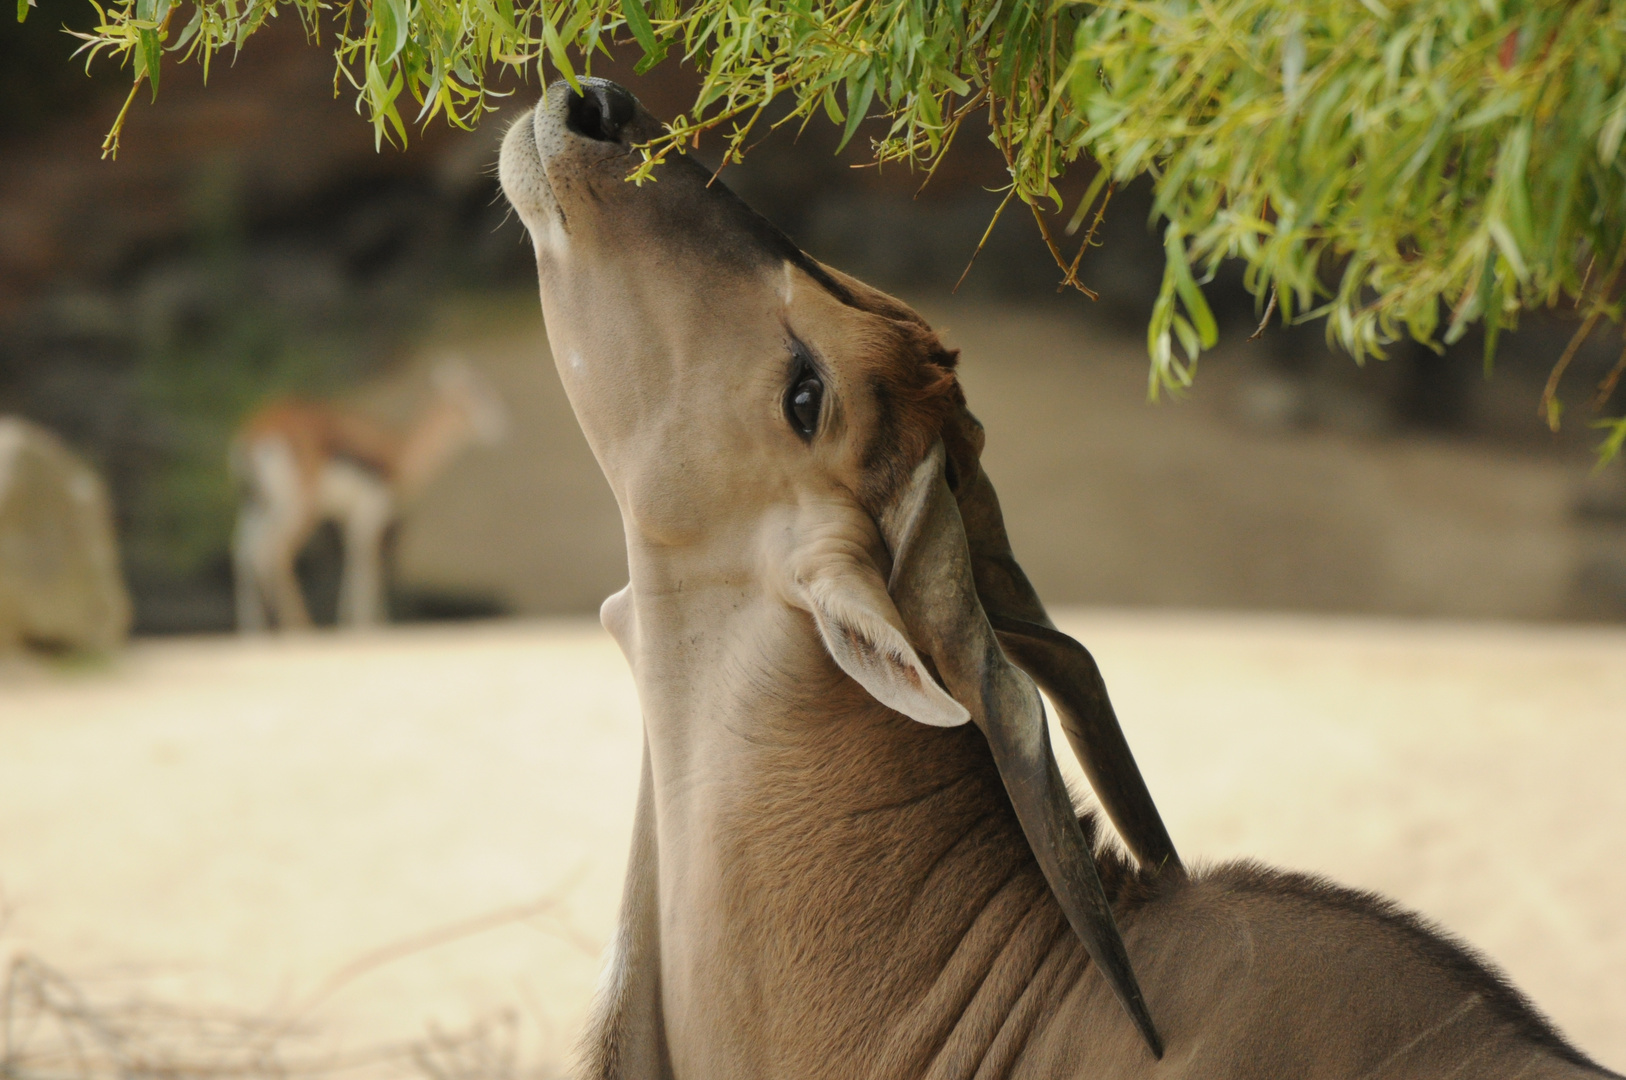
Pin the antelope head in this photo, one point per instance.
(791, 449)
(467, 393)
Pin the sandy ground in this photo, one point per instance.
(418, 828)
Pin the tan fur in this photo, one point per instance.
(821, 886)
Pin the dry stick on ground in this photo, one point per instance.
(430, 939)
(137, 1040)
(142, 1040)
(132, 1040)
(50, 1031)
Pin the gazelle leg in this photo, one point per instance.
(282, 584)
(249, 538)
(361, 590)
(271, 532)
(270, 564)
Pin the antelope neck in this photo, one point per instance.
(814, 847)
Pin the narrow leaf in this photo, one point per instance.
(638, 22)
(857, 110)
(1177, 267)
(392, 29)
(152, 52)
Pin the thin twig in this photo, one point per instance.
(1606, 388)
(732, 154)
(1088, 241)
(1061, 260)
(110, 145)
(399, 950)
(142, 1040)
(1100, 215)
(986, 233)
(1549, 408)
(1270, 309)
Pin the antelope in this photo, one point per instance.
(301, 463)
(853, 852)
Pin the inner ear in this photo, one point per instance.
(863, 632)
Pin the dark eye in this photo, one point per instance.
(803, 401)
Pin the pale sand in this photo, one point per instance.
(216, 822)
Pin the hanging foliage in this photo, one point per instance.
(1399, 168)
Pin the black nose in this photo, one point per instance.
(600, 111)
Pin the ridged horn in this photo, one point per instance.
(1061, 666)
(933, 587)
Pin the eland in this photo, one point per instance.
(854, 854)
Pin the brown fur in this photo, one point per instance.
(821, 887)
(892, 917)
(317, 433)
(915, 391)
(900, 921)
(911, 375)
(985, 1033)
(889, 913)
(1468, 968)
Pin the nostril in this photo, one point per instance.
(599, 112)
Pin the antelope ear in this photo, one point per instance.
(864, 633)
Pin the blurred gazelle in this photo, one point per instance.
(833, 874)
(300, 463)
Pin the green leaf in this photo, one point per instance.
(1611, 446)
(1188, 337)
(856, 110)
(392, 29)
(189, 31)
(1422, 168)
(1509, 247)
(649, 60)
(1177, 267)
(1609, 135)
(642, 30)
(152, 53)
(986, 23)
(22, 9)
(1493, 322)
(556, 53)
(832, 108)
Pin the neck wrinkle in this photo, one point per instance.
(975, 1014)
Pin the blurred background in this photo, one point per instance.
(249, 242)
